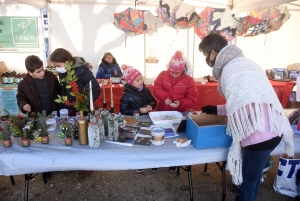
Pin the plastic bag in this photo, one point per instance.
(285, 180)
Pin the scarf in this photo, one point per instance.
(244, 84)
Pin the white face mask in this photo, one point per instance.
(61, 70)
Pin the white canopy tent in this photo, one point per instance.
(236, 6)
(86, 29)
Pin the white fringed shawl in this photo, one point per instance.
(243, 83)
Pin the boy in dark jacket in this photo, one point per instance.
(136, 97)
(39, 88)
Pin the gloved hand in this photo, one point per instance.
(209, 109)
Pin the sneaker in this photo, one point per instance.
(155, 169)
(172, 169)
(139, 170)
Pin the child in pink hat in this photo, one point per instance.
(136, 97)
(174, 89)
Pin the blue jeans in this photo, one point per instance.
(253, 165)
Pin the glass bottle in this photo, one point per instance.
(4, 78)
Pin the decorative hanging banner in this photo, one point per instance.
(19, 34)
(9, 102)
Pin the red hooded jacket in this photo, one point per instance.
(182, 89)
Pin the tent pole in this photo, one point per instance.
(145, 55)
(193, 55)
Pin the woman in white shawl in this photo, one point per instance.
(256, 120)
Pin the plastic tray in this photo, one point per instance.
(164, 117)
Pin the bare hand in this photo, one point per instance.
(116, 72)
(168, 101)
(175, 104)
(27, 108)
(149, 107)
(143, 110)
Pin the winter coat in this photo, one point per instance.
(84, 76)
(132, 100)
(106, 70)
(28, 93)
(182, 89)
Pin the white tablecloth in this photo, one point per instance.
(55, 156)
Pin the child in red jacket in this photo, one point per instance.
(174, 89)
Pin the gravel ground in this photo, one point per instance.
(130, 185)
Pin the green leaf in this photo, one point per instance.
(68, 86)
(72, 93)
(57, 100)
(65, 98)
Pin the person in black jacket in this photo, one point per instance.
(84, 75)
(136, 97)
(39, 88)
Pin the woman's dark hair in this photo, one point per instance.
(213, 41)
(32, 63)
(61, 55)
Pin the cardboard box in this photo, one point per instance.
(207, 131)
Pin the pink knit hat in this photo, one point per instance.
(177, 63)
(130, 73)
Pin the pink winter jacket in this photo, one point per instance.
(257, 136)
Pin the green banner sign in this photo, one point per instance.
(19, 34)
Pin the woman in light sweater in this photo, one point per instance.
(256, 120)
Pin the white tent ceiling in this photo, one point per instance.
(236, 6)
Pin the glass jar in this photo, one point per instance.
(51, 123)
(64, 114)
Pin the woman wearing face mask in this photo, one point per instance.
(256, 120)
(84, 75)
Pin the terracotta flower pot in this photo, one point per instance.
(45, 140)
(7, 143)
(68, 141)
(26, 143)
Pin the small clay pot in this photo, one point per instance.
(68, 141)
(45, 140)
(26, 143)
(7, 143)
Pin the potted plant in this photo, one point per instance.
(43, 127)
(68, 133)
(5, 134)
(27, 136)
(79, 100)
(18, 123)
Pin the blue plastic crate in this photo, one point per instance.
(205, 131)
